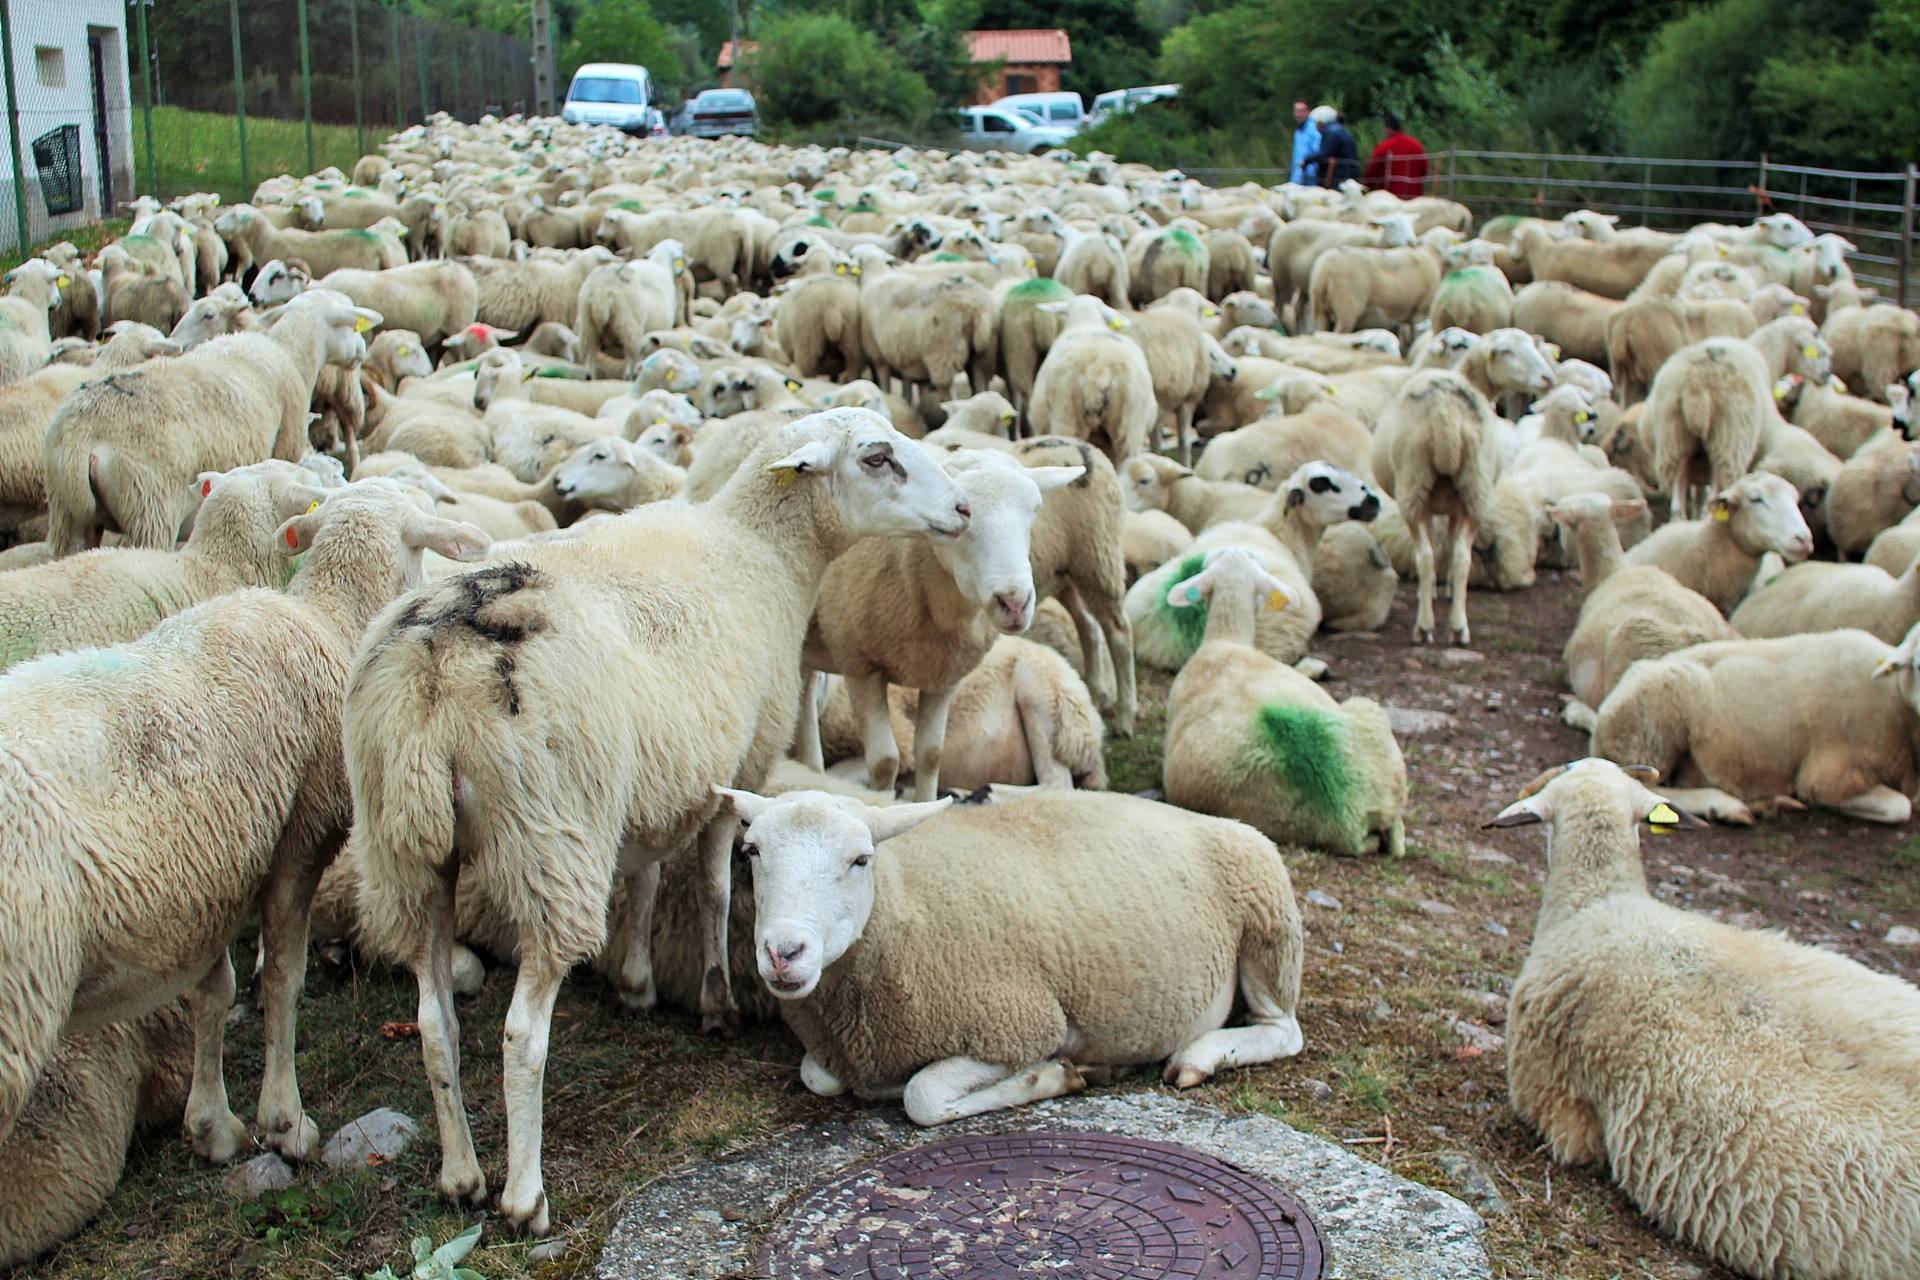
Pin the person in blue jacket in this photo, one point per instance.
(1306, 141)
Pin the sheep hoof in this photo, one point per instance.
(464, 1189)
(1311, 668)
(1424, 635)
(724, 1023)
(219, 1139)
(1778, 805)
(297, 1141)
(1071, 1078)
(1462, 637)
(1184, 1075)
(531, 1220)
(641, 1001)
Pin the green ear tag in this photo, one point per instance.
(1193, 595)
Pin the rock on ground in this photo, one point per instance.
(265, 1172)
(1378, 1225)
(382, 1132)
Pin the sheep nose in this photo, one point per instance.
(784, 954)
(1013, 608)
(962, 510)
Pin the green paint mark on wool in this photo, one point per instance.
(631, 206)
(1306, 749)
(947, 257)
(360, 233)
(1184, 241)
(817, 221)
(559, 371)
(1039, 290)
(1501, 225)
(1188, 622)
(828, 196)
(863, 207)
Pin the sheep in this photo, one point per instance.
(506, 643)
(1875, 490)
(527, 439)
(114, 594)
(927, 325)
(1253, 739)
(716, 239)
(1840, 422)
(156, 802)
(1092, 263)
(1772, 725)
(1630, 611)
(611, 474)
(1718, 556)
(620, 305)
(26, 407)
(1150, 538)
(76, 308)
(1095, 384)
(434, 300)
(921, 615)
(1712, 403)
(1473, 294)
(122, 451)
(65, 1156)
(1244, 309)
(1354, 288)
(1748, 1093)
(479, 233)
(1793, 345)
(1610, 268)
(1296, 247)
(1181, 359)
(521, 295)
(1506, 362)
(1511, 535)
(1569, 317)
(1872, 346)
(1267, 450)
(226, 310)
(1153, 483)
(252, 239)
(817, 323)
(1160, 261)
(1023, 716)
(1286, 535)
(1893, 549)
(1037, 992)
(1825, 597)
(1232, 266)
(1353, 578)
(1434, 451)
(26, 341)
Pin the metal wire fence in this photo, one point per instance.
(108, 99)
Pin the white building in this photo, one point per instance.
(69, 68)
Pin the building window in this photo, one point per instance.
(1021, 84)
(51, 63)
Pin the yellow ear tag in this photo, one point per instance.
(1811, 353)
(1116, 324)
(313, 506)
(216, 198)
(659, 422)
(1780, 391)
(1799, 308)
(1276, 601)
(1722, 514)
(406, 350)
(1210, 312)
(1333, 388)
(1582, 416)
(839, 268)
(793, 386)
(679, 264)
(1031, 264)
(361, 324)
(856, 271)
(785, 476)
(62, 281)
(1664, 815)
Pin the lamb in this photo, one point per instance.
(122, 452)
(611, 474)
(26, 342)
(1840, 422)
(114, 594)
(1748, 1093)
(928, 325)
(620, 305)
(1153, 483)
(1719, 556)
(1253, 739)
(252, 239)
(434, 300)
(1037, 992)
(1875, 490)
(1023, 716)
(1095, 384)
(1150, 538)
(1773, 725)
(1095, 264)
(198, 806)
(1570, 318)
(622, 774)
(1825, 597)
(1434, 451)
(920, 615)
(1712, 403)
(1630, 612)
(1286, 536)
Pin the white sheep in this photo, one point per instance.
(26, 341)
(1253, 739)
(1095, 384)
(1718, 556)
(1819, 596)
(1876, 488)
(619, 305)
(1708, 413)
(1751, 1095)
(433, 300)
(452, 673)
(851, 900)
(613, 474)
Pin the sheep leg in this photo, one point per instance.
(1423, 632)
(1035, 718)
(1578, 715)
(806, 747)
(820, 1082)
(929, 740)
(1184, 418)
(1878, 804)
(713, 898)
(1091, 643)
(460, 1178)
(634, 978)
(1570, 1126)
(216, 1132)
(1267, 968)
(955, 1088)
(1112, 619)
(1709, 802)
(284, 912)
(869, 696)
(1459, 568)
(524, 1064)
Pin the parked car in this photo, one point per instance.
(1118, 100)
(998, 129)
(615, 93)
(715, 113)
(1054, 110)
(682, 119)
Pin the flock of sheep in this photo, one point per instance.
(321, 608)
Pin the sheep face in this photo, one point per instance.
(1250, 309)
(1330, 494)
(599, 474)
(1764, 511)
(382, 508)
(1515, 364)
(1146, 481)
(224, 311)
(989, 562)
(1784, 231)
(881, 483)
(277, 282)
(813, 885)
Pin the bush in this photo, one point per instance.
(618, 31)
(818, 68)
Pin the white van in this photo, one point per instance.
(1055, 110)
(615, 93)
(1117, 100)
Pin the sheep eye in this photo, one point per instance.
(863, 860)
(875, 460)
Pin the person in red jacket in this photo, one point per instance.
(1399, 163)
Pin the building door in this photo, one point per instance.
(102, 149)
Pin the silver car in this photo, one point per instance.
(999, 129)
(716, 113)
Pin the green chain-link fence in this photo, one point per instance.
(107, 99)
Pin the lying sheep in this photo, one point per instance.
(1268, 450)
(1748, 1093)
(1719, 555)
(122, 452)
(1148, 539)
(1820, 596)
(26, 342)
(1840, 422)
(1095, 384)
(1155, 483)
(1253, 739)
(1875, 490)
(612, 474)
(1040, 998)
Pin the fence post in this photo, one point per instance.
(1760, 196)
(239, 98)
(146, 97)
(420, 61)
(1906, 234)
(13, 130)
(543, 58)
(306, 80)
(359, 89)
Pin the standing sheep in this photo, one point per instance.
(926, 325)
(1711, 403)
(1095, 384)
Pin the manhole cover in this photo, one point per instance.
(1075, 1206)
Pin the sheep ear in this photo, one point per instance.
(505, 335)
(814, 455)
(1195, 590)
(454, 539)
(745, 804)
(1521, 813)
(1901, 655)
(1645, 773)
(1562, 515)
(1295, 497)
(1629, 509)
(1051, 478)
(300, 499)
(899, 819)
(297, 534)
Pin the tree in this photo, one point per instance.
(814, 69)
(618, 31)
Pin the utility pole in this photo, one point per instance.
(543, 57)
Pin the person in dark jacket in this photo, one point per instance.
(1338, 156)
(1399, 164)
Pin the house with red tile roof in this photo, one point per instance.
(1029, 61)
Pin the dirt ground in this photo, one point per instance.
(1404, 1005)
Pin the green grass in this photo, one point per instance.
(200, 151)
